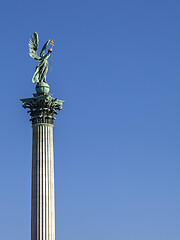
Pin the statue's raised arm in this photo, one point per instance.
(42, 67)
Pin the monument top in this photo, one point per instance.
(42, 68)
(42, 106)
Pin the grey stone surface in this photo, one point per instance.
(42, 198)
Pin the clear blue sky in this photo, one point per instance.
(117, 141)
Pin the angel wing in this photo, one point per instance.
(44, 49)
(33, 46)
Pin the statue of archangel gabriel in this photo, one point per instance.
(42, 67)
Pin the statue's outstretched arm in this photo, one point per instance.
(47, 55)
(44, 48)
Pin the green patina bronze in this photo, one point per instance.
(42, 106)
(42, 67)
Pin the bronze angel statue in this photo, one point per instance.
(42, 67)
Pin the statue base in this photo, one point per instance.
(42, 87)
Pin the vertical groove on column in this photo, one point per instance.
(52, 179)
(40, 186)
(43, 182)
(49, 182)
(50, 217)
(33, 185)
(46, 175)
(38, 182)
(52, 190)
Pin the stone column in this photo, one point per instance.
(42, 108)
(42, 198)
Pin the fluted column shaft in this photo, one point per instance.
(42, 198)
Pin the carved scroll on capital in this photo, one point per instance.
(42, 108)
